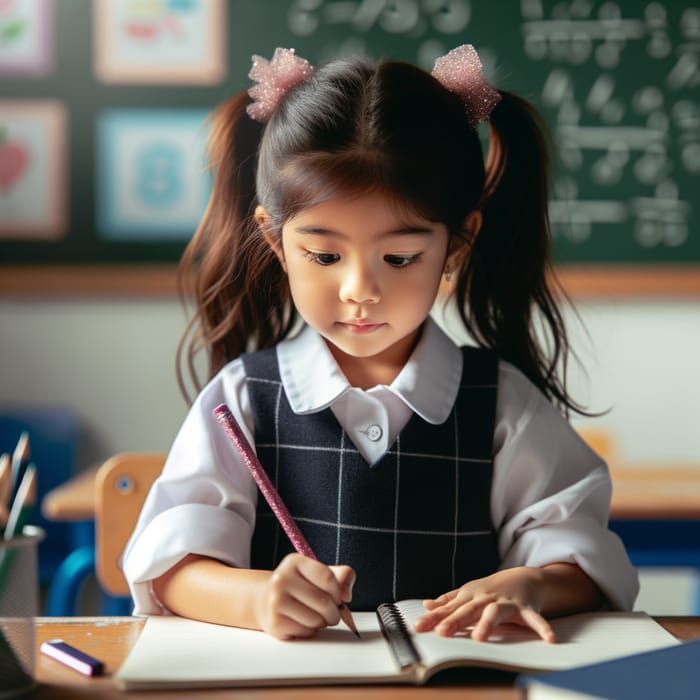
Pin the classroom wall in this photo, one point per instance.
(112, 360)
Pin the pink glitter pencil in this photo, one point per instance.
(284, 517)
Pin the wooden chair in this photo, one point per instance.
(121, 486)
(106, 498)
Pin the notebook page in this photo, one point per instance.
(582, 639)
(178, 650)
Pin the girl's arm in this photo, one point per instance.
(521, 595)
(295, 600)
(550, 495)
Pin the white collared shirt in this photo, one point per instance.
(550, 492)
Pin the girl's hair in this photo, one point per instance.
(354, 127)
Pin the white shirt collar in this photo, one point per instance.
(427, 384)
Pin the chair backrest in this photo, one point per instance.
(121, 487)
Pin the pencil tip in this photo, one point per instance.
(346, 617)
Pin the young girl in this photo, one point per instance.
(415, 468)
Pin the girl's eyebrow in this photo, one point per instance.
(403, 231)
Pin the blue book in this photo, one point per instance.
(672, 673)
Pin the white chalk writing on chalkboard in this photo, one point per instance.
(628, 139)
(633, 144)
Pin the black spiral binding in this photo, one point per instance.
(397, 635)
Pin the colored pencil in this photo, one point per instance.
(20, 461)
(20, 511)
(284, 517)
(23, 504)
(5, 488)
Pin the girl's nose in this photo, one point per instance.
(359, 286)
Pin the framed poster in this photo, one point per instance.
(26, 37)
(152, 182)
(33, 169)
(165, 42)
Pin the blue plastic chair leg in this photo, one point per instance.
(62, 598)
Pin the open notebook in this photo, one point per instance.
(173, 651)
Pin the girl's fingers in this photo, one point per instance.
(539, 624)
(464, 616)
(491, 616)
(432, 620)
(495, 613)
(314, 597)
(304, 618)
(426, 622)
(322, 609)
(453, 614)
(433, 603)
(318, 575)
(345, 576)
(303, 595)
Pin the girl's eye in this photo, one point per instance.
(322, 258)
(400, 260)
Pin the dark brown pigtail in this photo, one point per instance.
(228, 270)
(508, 279)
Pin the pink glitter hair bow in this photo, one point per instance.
(460, 71)
(274, 79)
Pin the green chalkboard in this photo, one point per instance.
(619, 83)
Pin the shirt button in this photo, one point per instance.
(374, 432)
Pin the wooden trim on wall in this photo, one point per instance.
(123, 281)
(652, 282)
(158, 280)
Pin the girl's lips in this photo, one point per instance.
(361, 326)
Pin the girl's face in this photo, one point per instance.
(364, 273)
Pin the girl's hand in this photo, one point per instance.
(302, 596)
(512, 595)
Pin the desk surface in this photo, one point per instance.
(110, 639)
(656, 492)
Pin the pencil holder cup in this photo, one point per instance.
(19, 604)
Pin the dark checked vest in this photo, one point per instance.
(416, 523)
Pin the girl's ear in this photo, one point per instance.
(262, 219)
(461, 245)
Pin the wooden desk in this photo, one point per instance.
(73, 501)
(110, 639)
(656, 492)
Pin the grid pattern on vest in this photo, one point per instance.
(416, 523)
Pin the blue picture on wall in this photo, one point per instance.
(152, 182)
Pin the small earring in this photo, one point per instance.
(448, 274)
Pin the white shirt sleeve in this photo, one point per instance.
(203, 502)
(550, 497)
